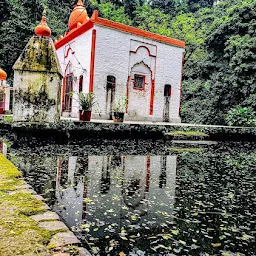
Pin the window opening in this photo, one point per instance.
(139, 82)
(111, 82)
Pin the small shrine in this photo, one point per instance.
(37, 79)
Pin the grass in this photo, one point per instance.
(187, 133)
(181, 150)
(20, 234)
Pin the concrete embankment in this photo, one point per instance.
(68, 129)
(27, 226)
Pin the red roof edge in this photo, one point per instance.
(118, 26)
(74, 33)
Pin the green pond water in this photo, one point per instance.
(148, 198)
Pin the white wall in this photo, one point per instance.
(78, 53)
(116, 54)
(113, 57)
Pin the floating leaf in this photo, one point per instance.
(182, 242)
(175, 231)
(134, 217)
(216, 245)
(166, 237)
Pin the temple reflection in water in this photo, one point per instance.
(119, 191)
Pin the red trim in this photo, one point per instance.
(181, 81)
(127, 93)
(74, 33)
(118, 26)
(138, 32)
(147, 174)
(152, 97)
(68, 52)
(143, 46)
(92, 60)
(144, 83)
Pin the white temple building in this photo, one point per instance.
(114, 61)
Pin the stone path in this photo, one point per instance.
(14, 190)
(154, 123)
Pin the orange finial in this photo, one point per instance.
(42, 29)
(3, 75)
(80, 2)
(78, 15)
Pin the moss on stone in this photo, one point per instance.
(20, 234)
(187, 133)
(181, 150)
(38, 55)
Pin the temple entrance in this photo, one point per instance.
(167, 99)
(139, 92)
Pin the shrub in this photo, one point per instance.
(241, 116)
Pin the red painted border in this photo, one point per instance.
(74, 33)
(138, 32)
(152, 96)
(67, 53)
(147, 174)
(118, 26)
(127, 93)
(182, 65)
(92, 60)
(143, 46)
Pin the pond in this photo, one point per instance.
(148, 197)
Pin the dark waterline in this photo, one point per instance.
(148, 197)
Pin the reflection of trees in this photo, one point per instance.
(39, 171)
(216, 193)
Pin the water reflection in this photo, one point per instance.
(120, 188)
(196, 203)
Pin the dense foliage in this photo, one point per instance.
(220, 60)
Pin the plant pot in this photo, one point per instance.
(118, 117)
(1, 111)
(85, 115)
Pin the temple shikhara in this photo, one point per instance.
(114, 61)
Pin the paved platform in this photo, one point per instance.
(154, 123)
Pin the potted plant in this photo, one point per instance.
(86, 102)
(119, 110)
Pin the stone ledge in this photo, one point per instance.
(53, 226)
(47, 216)
(63, 239)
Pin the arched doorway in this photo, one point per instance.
(139, 91)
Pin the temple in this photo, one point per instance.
(116, 61)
